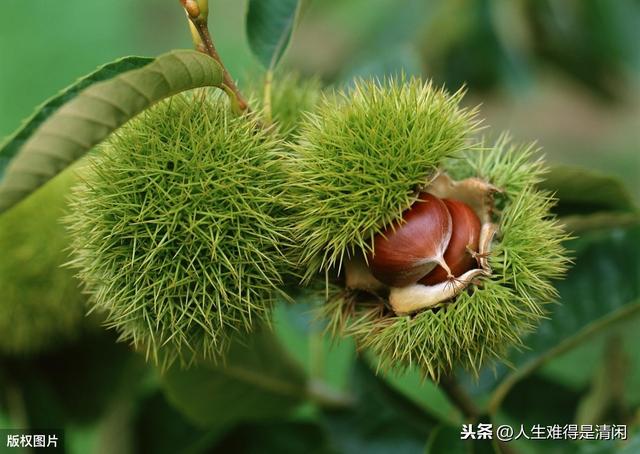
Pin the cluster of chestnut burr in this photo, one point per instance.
(438, 248)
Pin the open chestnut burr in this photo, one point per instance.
(435, 251)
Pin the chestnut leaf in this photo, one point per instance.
(583, 191)
(382, 419)
(270, 24)
(257, 381)
(12, 144)
(47, 146)
(601, 290)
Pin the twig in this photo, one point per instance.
(465, 404)
(459, 397)
(198, 17)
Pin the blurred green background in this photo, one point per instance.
(565, 73)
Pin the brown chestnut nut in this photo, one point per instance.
(409, 249)
(465, 237)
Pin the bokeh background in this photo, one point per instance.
(565, 73)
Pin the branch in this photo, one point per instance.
(197, 12)
(500, 393)
(465, 404)
(459, 397)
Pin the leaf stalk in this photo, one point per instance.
(197, 13)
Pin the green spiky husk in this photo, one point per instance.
(177, 232)
(359, 159)
(484, 322)
(41, 304)
(291, 97)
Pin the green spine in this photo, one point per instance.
(177, 228)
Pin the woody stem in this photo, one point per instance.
(197, 12)
(205, 36)
(459, 397)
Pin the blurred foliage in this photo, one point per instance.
(40, 301)
(489, 44)
(257, 381)
(566, 71)
(579, 190)
(502, 42)
(12, 144)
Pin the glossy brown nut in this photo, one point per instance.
(464, 237)
(408, 250)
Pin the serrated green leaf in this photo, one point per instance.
(602, 288)
(12, 144)
(96, 112)
(270, 24)
(258, 381)
(583, 191)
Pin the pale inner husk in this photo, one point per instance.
(476, 193)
